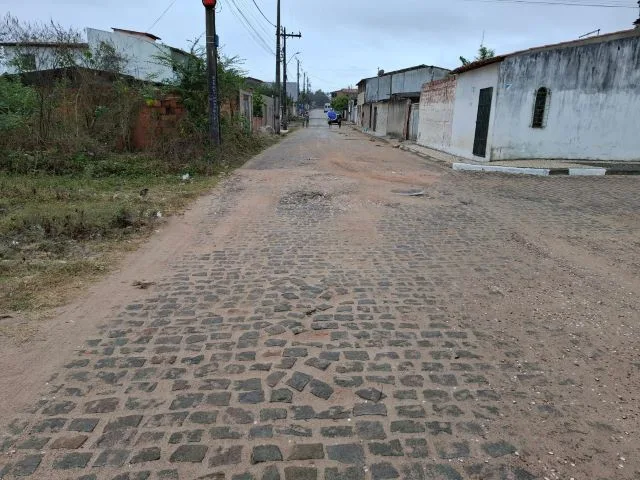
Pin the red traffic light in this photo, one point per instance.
(209, 3)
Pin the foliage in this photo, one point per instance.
(17, 105)
(191, 82)
(340, 103)
(484, 53)
(318, 99)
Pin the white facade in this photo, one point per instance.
(465, 108)
(593, 106)
(141, 54)
(588, 109)
(139, 50)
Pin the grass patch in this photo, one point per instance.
(60, 231)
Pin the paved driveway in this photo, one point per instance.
(320, 323)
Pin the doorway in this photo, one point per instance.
(375, 119)
(482, 122)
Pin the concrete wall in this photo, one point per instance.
(463, 129)
(411, 81)
(46, 57)
(383, 113)
(436, 113)
(397, 117)
(361, 109)
(595, 97)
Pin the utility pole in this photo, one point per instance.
(298, 60)
(285, 35)
(276, 109)
(212, 71)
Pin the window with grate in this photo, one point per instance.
(540, 107)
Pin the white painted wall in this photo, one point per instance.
(593, 110)
(436, 114)
(463, 129)
(140, 53)
(45, 57)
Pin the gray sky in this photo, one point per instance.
(346, 40)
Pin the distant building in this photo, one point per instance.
(575, 100)
(139, 50)
(388, 103)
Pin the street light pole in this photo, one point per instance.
(212, 71)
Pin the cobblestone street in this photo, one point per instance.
(321, 323)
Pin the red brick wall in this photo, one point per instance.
(157, 119)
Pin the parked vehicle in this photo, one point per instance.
(334, 119)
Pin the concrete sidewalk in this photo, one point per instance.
(542, 167)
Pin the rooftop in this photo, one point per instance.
(607, 37)
(137, 34)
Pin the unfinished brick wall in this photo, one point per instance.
(157, 119)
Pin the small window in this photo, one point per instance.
(540, 107)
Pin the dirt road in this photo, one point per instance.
(310, 320)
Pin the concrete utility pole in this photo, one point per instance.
(276, 109)
(212, 71)
(285, 35)
(298, 60)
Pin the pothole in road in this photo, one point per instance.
(302, 198)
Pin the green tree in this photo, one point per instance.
(483, 54)
(340, 103)
(191, 83)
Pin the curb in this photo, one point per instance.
(575, 172)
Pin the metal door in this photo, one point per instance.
(414, 119)
(482, 122)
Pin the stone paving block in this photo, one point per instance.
(350, 453)
(189, 454)
(146, 455)
(73, 460)
(314, 451)
(383, 471)
(320, 389)
(348, 473)
(69, 442)
(229, 456)
(266, 453)
(300, 473)
(111, 458)
(299, 380)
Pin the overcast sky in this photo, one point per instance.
(346, 40)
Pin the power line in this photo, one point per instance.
(265, 17)
(162, 15)
(565, 3)
(264, 28)
(251, 27)
(255, 35)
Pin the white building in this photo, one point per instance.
(577, 100)
(139, 50)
